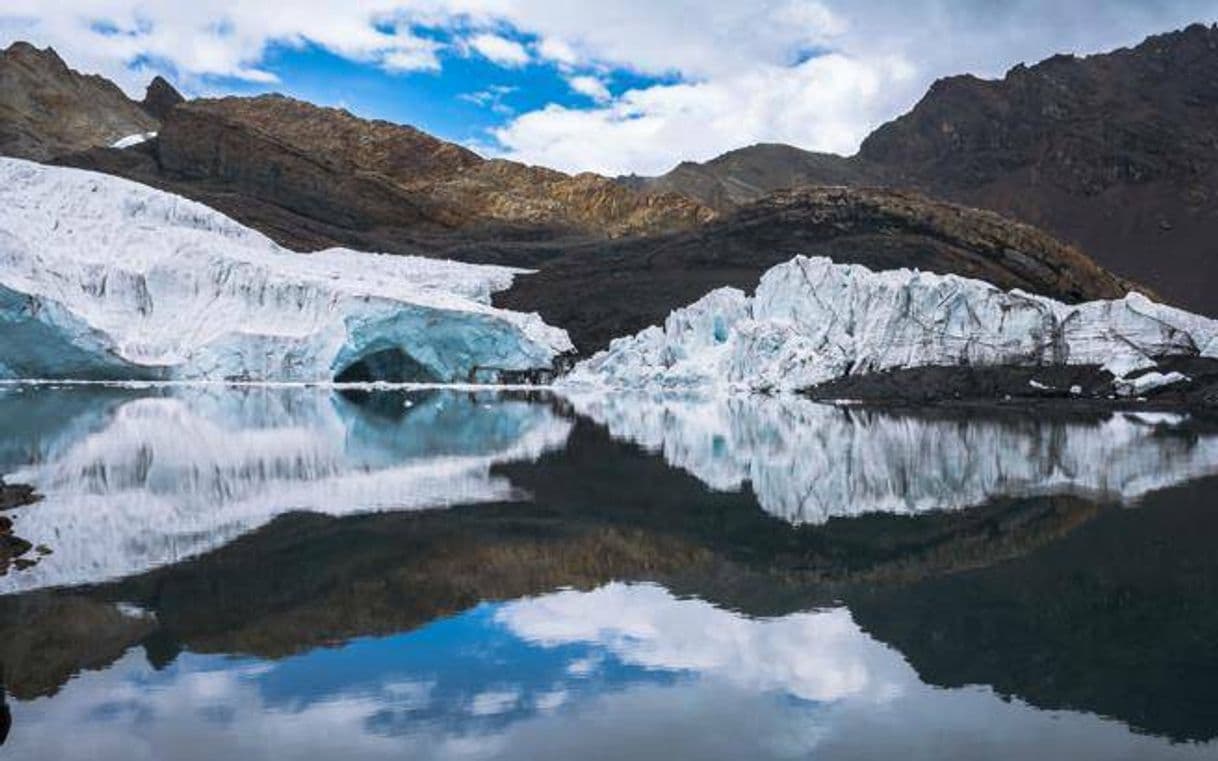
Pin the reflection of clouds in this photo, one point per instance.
(818, 656)
(808, 462)
(734, 701)
(160, 478)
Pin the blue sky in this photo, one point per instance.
(462, 101)
(613, 86)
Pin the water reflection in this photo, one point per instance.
(622, 671)
(249, 573)
(138, 481)
(809, 462)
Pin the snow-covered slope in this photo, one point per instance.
(105, 278)
(808, 462)
(812, 321)
(141, 481)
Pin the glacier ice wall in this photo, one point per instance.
(812, 320)
(808, 462)
(103, 278)
(132, 481)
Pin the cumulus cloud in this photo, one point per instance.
(816, 73)
(499, 49)
(590, 86)
(824, 104)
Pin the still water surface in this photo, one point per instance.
(300, 573)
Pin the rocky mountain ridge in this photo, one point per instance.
(48, 110)
(1116, 153)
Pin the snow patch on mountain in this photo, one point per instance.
(812, 321)
(133, 140)
(103, 278)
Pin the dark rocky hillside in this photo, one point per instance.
(598, 292)
(1115, 153)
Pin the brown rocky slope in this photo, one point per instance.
(312, 177)
(47, 109)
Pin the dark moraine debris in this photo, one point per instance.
(12, 548)
(16, 495)
(1078, 383)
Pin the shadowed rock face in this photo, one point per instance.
(1115, 153)
(47, 109)
(600, 292)
(160, 97)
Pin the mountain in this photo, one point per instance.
(747, 174)
(614, 259)
(1115, 153)
(312, 177)
(160, 98)
(47, 109)
(616, 288)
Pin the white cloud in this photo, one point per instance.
(743, 72)
(824, 104)
(590, 86)
(499, 49)
(492, 98)
(412, 54)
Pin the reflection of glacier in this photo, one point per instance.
(153, 480)
(809, 462)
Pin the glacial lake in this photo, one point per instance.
(303, 573)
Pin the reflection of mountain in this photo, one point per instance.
(809, 462)
(1117, 618)
(599, 510)
(1080, 627)
(157, 479)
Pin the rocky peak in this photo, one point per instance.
(160, 97)
(48, 110)
(29, 55)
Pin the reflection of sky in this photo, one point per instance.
(624, 671)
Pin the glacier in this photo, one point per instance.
(102, 278)
(812, 321)
(807, 462)
(132, 480)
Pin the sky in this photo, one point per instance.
(612, 86)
